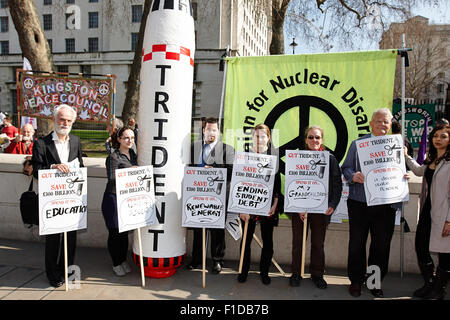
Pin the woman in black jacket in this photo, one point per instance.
(317, 221)
(261, 144)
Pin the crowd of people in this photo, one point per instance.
(61, 150)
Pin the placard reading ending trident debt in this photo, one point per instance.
(252, 182)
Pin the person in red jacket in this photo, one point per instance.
(8, 128)
(22, 144)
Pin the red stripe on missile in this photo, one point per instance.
(185, 51)
(158, 48)
(172, 56)
(148, 56)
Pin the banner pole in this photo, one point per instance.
(241, 260)
(403, 138)
(66, 280)
(222, 96)
(305, 227)
(141, 259)
(203, 257)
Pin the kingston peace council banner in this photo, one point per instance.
(39, 93)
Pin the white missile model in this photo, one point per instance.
(164, 119)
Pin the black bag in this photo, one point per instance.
(29, 206)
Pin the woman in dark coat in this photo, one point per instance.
(261, 144)
(318, 222)
(122, 156)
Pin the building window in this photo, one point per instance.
(136, 13)
(3, 3)
(86, 69)
(47, 2)
(134, 41)
(47, 21)
(91, 1)
(93, 44)
(63, 68)
(50, 44)
(70, 1)
(4, 26)
(70, 45)
(93, 20)
(440, 88)
(4, 46)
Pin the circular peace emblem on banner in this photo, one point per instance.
(103, 89)
(305, 103)
(28, 83)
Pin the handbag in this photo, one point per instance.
(29, 206)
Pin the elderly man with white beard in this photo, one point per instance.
(62, 151)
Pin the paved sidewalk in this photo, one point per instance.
(22, 277)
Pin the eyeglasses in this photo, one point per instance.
(314, 137)
(127, 138)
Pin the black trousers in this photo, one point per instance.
(422, 242)
(117, 246)
(217, 245)
(267, 249)
(379, 221)
(54, 254)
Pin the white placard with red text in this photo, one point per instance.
(383, 166)
(204, 196)
(62, 200)
(252, 182)
(135, 198)
(306, 181)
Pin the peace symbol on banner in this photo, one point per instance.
(305, 103)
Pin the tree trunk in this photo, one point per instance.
(279, 8)
(33, 43)
(131, 103)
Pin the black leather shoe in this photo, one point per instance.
(242, 277)
(355, 290)
(377, 293)
(56, 283)
(294, 280)
(217, 267)
(265, 279)
(319, 282)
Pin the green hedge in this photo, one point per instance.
(91, 134)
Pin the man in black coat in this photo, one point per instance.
(210, 152)
(58, 150)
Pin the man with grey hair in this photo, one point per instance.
(62, 151)
(379, 220)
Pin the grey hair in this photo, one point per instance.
(64, 106)
(28, 124)
(384, 111)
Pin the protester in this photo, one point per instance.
(379, 220)
(121, 157)
(8, 128)
(27, 166)
(117, 124)
(261, 144)
(132, 124)
(23, 143)
(318, 222)
(62, 151)
(210, 152)
(433, 228)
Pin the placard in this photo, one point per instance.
(383, 165)
(340, 214)
(204, 197)
(306, 181)
(252, 182)
(135, 198)
(62, 200)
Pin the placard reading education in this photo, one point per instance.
(306, 181)
(204, 196)
(383, 165)
(252, 183)
(135, 198)
(62, 200)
